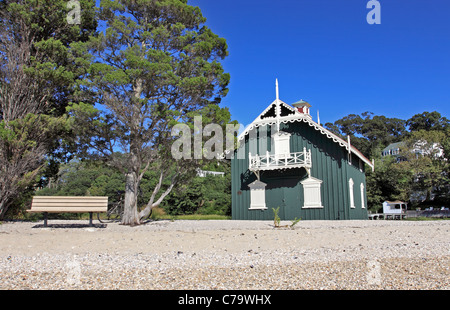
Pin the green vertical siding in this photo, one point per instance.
(329, 164)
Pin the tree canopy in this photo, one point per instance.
(37, 80)
(155, 65)
(371, 133)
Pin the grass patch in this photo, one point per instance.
(424, 218)
(202, 217)
(159, 214)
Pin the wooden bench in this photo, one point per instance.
(68, 204)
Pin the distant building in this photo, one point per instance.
(393, 149)
(424, 148)
(203, 173)
(420, 148)
(394, 207)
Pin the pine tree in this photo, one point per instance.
(37, 81)
(155, 65)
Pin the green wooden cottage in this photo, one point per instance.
(287, 160)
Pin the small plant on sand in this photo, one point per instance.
(294, 222)
(276, 219)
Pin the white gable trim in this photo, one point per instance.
(299, 117)
(278, 103)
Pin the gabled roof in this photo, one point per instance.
(284, 113)
(394, 146)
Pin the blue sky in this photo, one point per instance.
(325, 52)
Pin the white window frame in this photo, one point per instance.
(363, 203)
(351, 192)
(312, 196)
(281, 145)
(257, 195)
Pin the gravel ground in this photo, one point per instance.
(229, 255)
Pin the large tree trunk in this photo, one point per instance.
(130, 212)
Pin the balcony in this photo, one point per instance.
(280, 161)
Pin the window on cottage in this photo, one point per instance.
(363, 206)
(311, 193)
(281, 147)
(352, 197)
(257, 195)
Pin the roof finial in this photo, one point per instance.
(277, 111)
(276, 89)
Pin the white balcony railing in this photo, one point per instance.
(280, 161)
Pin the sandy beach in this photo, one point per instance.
(226, 254)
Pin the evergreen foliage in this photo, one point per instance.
(155, 65)
(419, 179)
(37, 80)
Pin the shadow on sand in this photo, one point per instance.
(72, 225)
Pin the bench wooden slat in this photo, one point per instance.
(59, 199)
(69, 201)
(68, 209)
(67, 204)
(70, 197)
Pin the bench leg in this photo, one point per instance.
(45, 218)
(90, 219)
